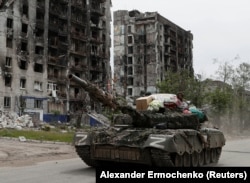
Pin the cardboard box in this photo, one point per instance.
(143, 102)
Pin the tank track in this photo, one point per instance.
(205, 157)
(161, 158)
(165, 159)
(84, 153)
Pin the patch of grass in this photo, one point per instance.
(38, 135)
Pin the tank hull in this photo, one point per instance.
(153, 147)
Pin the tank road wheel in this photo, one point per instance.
(207, 156)
(186, 160)
(194, 159)
(201, 158)
(213, 156)
(178, 160)
(218, 153)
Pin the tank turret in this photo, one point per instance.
(143, 119)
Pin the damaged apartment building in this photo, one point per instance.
(43, 40)
(146, 45)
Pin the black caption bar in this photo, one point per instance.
(158, 175)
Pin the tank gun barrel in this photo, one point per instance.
(95, 92)
(106, 99)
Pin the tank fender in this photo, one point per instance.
(215, 138)
(175, 143)
(81, 139)
(160, 141)
(164, 142)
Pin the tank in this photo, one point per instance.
(164, 138)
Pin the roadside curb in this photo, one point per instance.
(36, 141)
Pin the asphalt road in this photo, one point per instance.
(235, 153)
(63, 171)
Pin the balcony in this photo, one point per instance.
(78, 52)
(78, 21)
(78, 67)
(96, 40)
(79, 36)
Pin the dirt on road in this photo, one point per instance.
(14, 152)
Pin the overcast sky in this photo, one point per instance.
(221, 28)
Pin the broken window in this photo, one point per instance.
(9, 43)
(94, 49)
(8, 62)
(53, 52)
(130, 81)
(38, 67)
(56, 73)
(39, 50)
(130, 70)
(39, 32)
(24, 28)
(76, 92)
(25, 10)
(130, 91)
(130, 50)
(95, 35)
(77, 46)
(129, 29)
(24, 46)
(22, 83)
(76, 61)
(8, 80)
(130, 60)
(7, 102)
(38, 104)
(130, 39)
(23, 64)
(9, 23)
(142, 39)
(38, 86)
(22, 102)
(39, 15)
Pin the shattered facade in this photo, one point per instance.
(41, 41)
(146, 45)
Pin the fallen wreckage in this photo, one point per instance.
(162, 139)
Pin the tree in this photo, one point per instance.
(225, 72)
(184, 82)
(219, 100)
(241, 82)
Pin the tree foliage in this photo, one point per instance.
(234, 101)
(182, 81)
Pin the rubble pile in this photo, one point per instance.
(12, 120)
